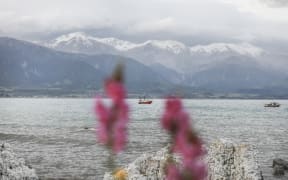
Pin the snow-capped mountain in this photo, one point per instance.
(223, 68)
(25, 64)
(171, 54)
(218, 48)
(174, 47)
(78, 39)
(80, 42)
(117, 43)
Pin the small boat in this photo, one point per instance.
(144, 101)
(272, 104)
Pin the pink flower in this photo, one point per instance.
(174, 118)
(172, 172)
(102, 111)
(196, 169)
(120, 137)
(111, 130)
(188, 146)
(184, 141)
(115, 90)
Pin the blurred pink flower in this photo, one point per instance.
(113, 120)
(184, 141)
(196, 169)
(173, 114)
(172, 172)
(120, 136)
(103, 127)
(115, 90)
(188, 146)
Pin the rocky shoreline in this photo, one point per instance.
(226, 161)
(12, 167)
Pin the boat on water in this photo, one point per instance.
(272, 104)
(144, 101)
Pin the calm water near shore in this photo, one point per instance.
(57, 136)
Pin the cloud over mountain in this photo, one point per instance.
(178, 17)
(276, 3)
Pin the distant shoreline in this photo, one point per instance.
(90, 93)
(136, 98)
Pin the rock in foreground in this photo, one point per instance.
(279, 165)
(13, 168)
(148, 166)
(226, 161)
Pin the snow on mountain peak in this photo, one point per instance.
(173, 46)
(241, 48)
(117, 43)
(76, 36)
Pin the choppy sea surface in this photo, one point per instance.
(57, 136)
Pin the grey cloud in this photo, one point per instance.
(276, 3)
(137, 17)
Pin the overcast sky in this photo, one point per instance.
(239, 19)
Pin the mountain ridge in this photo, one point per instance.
(25, 64)
(172, 54)
(172, 46)
(57, 69)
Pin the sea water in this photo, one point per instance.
(57, 136)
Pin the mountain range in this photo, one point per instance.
(171, 54)
(232, 66)
(78, 61)
(27, 65)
